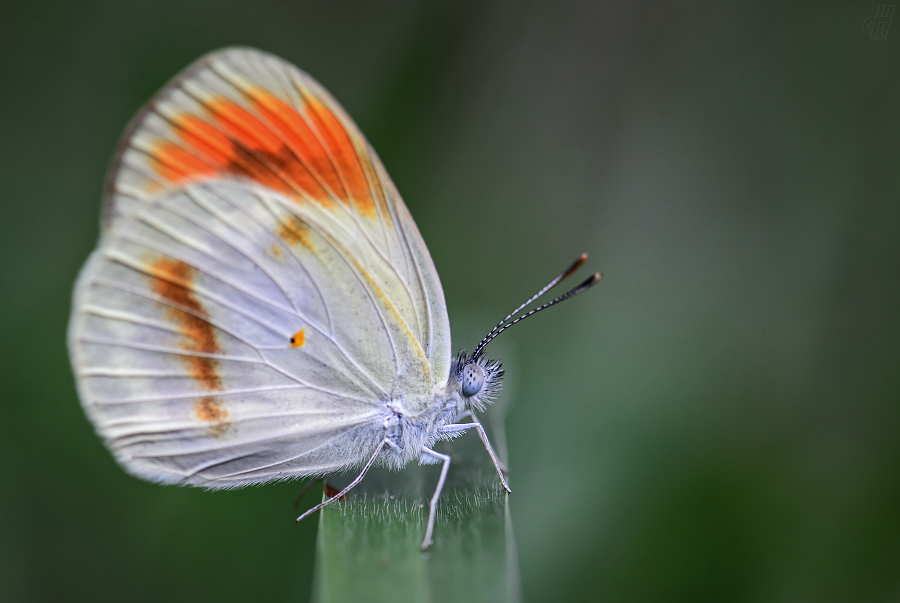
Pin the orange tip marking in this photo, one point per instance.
(305, 154)
(345, 156)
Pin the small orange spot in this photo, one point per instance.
(294, 231)
(298, 339)
(275, 250)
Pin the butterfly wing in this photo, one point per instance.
(260, 293)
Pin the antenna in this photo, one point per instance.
(503, 325)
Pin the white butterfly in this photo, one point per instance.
(261, 305)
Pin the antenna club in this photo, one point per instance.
(575, 266)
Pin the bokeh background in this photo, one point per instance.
(718, 420)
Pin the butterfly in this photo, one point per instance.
(260, 305)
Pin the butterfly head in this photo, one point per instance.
(478, 379)
(471, 379)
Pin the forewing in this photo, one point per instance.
(249, 116)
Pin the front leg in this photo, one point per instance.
(497, 461)
(458, 427)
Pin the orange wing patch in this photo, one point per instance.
(294, 231)
(305, 155)
(173, 280)
(298, 339)
(210, 410)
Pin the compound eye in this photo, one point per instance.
(472, 379)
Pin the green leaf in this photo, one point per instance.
(368, 545)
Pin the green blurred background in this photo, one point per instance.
(718, 420)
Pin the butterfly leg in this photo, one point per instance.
(497, 462)
(348, 488)
(432, 509)
(457, 427)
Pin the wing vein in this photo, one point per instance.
(212, 210)
(142, 268)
